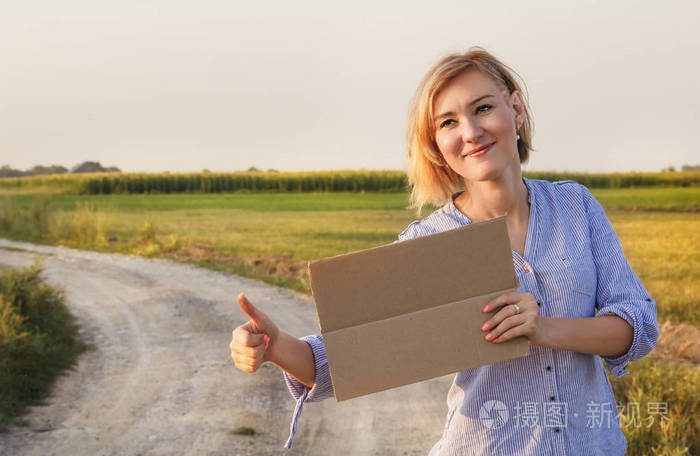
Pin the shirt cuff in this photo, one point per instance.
(323, 387)
(643, 339)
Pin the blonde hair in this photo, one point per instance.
(430, 178)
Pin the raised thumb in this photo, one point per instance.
(249, 309)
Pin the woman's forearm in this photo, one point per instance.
(295, 357)
(607, 335)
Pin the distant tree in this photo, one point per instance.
(690, 168)
(41, 170)
(92, 167)
(253, 169)
(669, 169)
(7, 171)
(272, 170)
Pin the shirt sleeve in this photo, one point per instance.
(323, 387)
(619, 290)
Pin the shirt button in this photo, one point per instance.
(557, 430)
(549, 368)
(551, 398)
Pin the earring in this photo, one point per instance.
(518, 137)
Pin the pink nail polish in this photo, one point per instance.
(489, 336)
(495, 340)
(485, 327)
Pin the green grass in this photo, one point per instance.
(37, 340)
(260, 202)
(662, 198)
(662, 247)
(243, 430)
(667, 198)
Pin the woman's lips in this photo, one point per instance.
(481, 152)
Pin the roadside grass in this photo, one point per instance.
(37, 340)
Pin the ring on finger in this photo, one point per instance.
(517, 309)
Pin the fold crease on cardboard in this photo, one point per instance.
(411, 311)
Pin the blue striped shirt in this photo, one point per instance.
(552, 402)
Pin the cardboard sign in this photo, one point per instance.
(411, 311)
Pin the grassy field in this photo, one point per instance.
(273, 236)
(686, 199)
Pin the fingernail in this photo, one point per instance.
(486, 309)
(495, 340)
(489, 336)
(485, 327)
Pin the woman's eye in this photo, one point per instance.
(484, 108)
(446, 123)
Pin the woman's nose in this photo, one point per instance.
(471, 131)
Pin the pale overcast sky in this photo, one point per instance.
(182, 85)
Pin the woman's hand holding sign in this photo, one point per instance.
(518, 316)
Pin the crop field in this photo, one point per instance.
(272, 236)
(303, 182)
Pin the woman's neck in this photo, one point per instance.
(485, 200)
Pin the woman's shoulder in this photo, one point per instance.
(569, 198)
(559, 191)
(562, 186)
(440, 220)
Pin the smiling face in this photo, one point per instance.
(476, 126)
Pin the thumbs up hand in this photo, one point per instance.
(252, 343)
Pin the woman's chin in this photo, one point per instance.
(484, 175)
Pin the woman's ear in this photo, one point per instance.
(517, 104)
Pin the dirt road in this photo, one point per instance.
(160, 380)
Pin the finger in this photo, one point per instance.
(249, 362)
(500, 301)
(247, 338)
(512, 333)
(248, 352)
(250, 309)
(504, 326)
(247, 367)
(499, 317)
(253, 359)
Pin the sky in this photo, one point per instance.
(182, 86)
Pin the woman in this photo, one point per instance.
(578, 301)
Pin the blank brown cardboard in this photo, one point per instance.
(411, 311)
